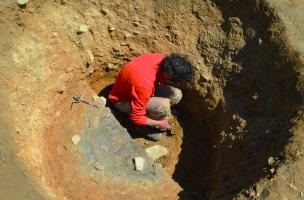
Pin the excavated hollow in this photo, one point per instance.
(240, 112)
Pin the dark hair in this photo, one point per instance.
(178, 68)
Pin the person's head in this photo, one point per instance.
(177, 69)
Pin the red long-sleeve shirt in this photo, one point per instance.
(136, 83)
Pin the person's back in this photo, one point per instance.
(140, 88)
(136, 84)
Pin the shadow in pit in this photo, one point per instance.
(192, 166)
(263, 94)
(123, 118)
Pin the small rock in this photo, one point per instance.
(111, 28)
(55, 34)
(139, 163)
(76, 139)
(59, 91)
(255, 96)
(271, 161)
(98, 166)
(260, 41)
(127, 34)
(90, 58)
(136, 24)
(301, 194)
(22, 2)
(272, 170)
(83, 29)
(104, 11)
(58, 113)
(156, 151)
(292, 186)
(110, 67)
(136, 32)
(116, 49)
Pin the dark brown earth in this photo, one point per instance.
(239, 128)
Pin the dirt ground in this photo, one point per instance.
(239, 128)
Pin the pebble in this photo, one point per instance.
(292, 186)
(83, 29)
(18, 130)
(111, 28)
(136, 24)
(127, 34)
(110, 66)
(55, 34)
(22, 2)
(139, 163)
(156, 151)
(76, 139)
(90, 58)
(104, 11)
(271, 161)
(272, 171)
(98, 166)
(255, 96)
(136, 32)
(260, 41)
(58, 113)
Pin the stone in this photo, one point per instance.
(271, 161)
(292, 186)
(55, 34)
(22, 2)
(83, 29)
(111, 28)
(127, 34)
(104, 11)
(260, 41)
(110, 67)
(156, 152)
(98, 166)
(76, 139)
(136, 32)
(136, 24)
(272, 171)
(139, 163)
(255, 96)
(90, 58)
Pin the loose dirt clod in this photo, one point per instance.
(156, 152)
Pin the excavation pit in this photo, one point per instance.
(231, 122)
(236, 127)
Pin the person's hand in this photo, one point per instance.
(163, 125)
